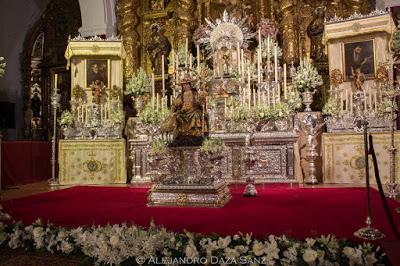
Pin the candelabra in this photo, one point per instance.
(55, 100)
(3, 215)
(311, 128)
(361, 122)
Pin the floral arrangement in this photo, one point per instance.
(139, 84)
(263, 112)
(115, 92)
(3, 65)
(181, 54)
(158, 146)
(331, 107)
(272, 44)
(150, 116)
(281, 110)
(306, 77)
(212, 146)
(117, 244)
(66, 119)
(395, 43)
(294, 100)
(117, 117)
(78, 93)
(268, 28)
(241, 113)
(385, 106)
(202, 76)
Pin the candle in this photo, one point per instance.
(55, 80)
(249, 86)
(268, 53)
(238, 59)
(276, 64)
(375, 102)
(279, 92)
(341, 100)
(254, 98)
(346, 99)
(198, 58)
(186, 51)
(173, 61)
(259, 64)
(370, 99)
(224, 106)
(190, 61)
(163, 74)
(153, 90)
(157, 101)
(351, 101)
(284, 81)
(365, 99)
(242, 63)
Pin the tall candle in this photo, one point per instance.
(157, 101)
(55, 80)
(238, 59)
(190, 61)
(173, 61)
(375, 102)
(284, 81)
(198, 57)
(259, 66)
(242, 63)
(153, 90)
(163, 74)
(249, 86)
(276, 63)
(186, 51)
(370, 99)
(268, 53)
(351, 102)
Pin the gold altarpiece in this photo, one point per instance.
(93, 150)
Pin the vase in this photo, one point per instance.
(66, 131)
(138, 103)
(307, 97)
(282, 124)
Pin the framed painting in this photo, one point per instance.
(97, 72)
(359, 56)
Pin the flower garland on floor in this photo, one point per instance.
(115, 244)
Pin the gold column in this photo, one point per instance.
(127, 22)
(185, 16)
(288, 31)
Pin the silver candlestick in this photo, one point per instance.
(55, 101)
(361, 122)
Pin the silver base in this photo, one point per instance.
(369, 233)
(250, 190)
(392, 191)
(311, 181)
(216, 195)
(53, 182)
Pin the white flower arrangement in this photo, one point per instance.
(3, 65)
(272, 44)
(212, 146)
(281, 110)
(139, 84)
(117, 117)
(306, 77)
(151, 116)
(66, 119)
(294, 100)
(117, 244)
(385, 106)
(331, 107)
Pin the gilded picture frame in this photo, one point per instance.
(97, 72)
(359, 55)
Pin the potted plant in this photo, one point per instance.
(305, 80)
(138, 87)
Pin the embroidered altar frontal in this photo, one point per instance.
(343, 157)
(92, 162)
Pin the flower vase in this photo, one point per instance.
(138, 103)
(66, 131)
(307, 97)
(282, 124)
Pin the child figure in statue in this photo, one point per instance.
(188, 123)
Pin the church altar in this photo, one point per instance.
(92, 162)
(343, 157)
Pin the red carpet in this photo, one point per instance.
(279, 209)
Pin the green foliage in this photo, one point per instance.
(241, 113)
(158, 146)
(280, 110)
(212, 145)
(66, 118)
(306, 77)
(331, 107)
(150, 115)
(139, 84)
(117, 117)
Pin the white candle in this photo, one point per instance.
(268, 53)
(249, 86)
(153, 90)
(163, 74)
(276, 64)
(259, 66)
(284, 81)
(55, 80)
(370, 99)
(238, 59)
(173, 61)
(186, 51)
(375, 102)
(279, 92)
(198, 57)
(242, 62)
(157, 101)
(162, 103)
(190, 61)
(351, 101)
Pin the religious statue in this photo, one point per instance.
(36, 105)
(359, 79)
(188, 122)
(97, 92)
(158, 46)
(315, 32)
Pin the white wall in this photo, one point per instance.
(16, 18)
(98, 17)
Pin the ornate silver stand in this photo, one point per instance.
(250, 189)
(368, 232)
(55, 99)
(392, 185)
